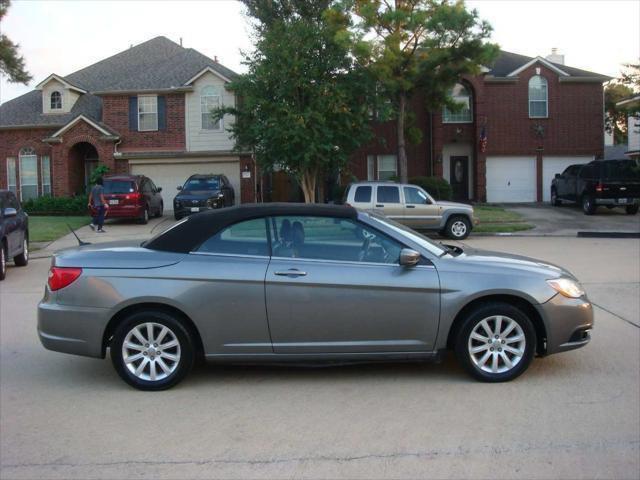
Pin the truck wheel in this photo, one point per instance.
(555, 201)
(458, 228)
(588, 205)
(632, 209)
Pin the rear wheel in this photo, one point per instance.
(22, 259)
(152, 350)
(458, 228)
(555, 201)
(632, 209)
(588, 205)
(496, 342)
(3, 260)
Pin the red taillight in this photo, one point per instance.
(599, 187)
(60, 277)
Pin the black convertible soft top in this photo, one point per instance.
(188, 235)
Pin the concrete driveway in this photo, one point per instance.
(567, 221)
(573, 415)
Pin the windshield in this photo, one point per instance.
(211, 183)
(119, 186)
(416, 237)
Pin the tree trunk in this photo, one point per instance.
(308, 184)
(321, 184)
(402, 152)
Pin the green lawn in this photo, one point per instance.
(47, 229)
(498, 220)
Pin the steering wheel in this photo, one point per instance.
(364, 250)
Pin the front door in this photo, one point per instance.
(419, 211)
(335, 286)
(459, 177)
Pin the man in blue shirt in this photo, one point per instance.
(100, 205)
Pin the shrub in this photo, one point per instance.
(437, 187)
(56, 205)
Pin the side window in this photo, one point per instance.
(587, 172)
(388, 195)
(363, 194)
(327, 238)
(152, 185)
(146, 187)
(415, 196)
(243, 238)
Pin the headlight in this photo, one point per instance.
(567, 287)
(176, 203)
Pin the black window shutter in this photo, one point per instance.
(162, 112)
(133, 113)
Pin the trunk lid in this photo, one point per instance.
(115, 255)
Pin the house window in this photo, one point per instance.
(56, 100)
(209, 100)
(462, 96)
(387, 167)
(28, 174)
(147, 113)
(45, 175)
(11, 175)
(538, 104)
(371, 167)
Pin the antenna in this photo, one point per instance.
(80, 242)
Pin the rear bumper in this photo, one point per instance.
(122, 211)
(74, 330)
(617, 202)
(568, 323)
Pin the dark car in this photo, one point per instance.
(14, 232)
(613, 183)
(132, 196)
(203, 192)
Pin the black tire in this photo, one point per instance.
(3, 260)
(160, 210)
(144, 218)
(177, 216)
(176, 328)
(23, 259)
(588, 204)
(473, 319)
(458, 227)
(632, 209)
(555, 201)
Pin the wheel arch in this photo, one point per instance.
(163, 307)
(449, 214)
(518, 302)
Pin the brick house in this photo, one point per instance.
(524, 120)
(143, 111)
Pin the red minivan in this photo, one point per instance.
(132, 196)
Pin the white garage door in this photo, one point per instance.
(170, 175)
(553, 165)
(511, 179)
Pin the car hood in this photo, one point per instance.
(122, 254)
(454, 204)
(486, 259)
(197, 194)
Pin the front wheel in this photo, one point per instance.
(144, 217)
(632, 209)
(496, 342)
(3, 260)
(555, 201)
(22, 259)
(160, 210)
(458, 228)
(588, 205)
(152, 350)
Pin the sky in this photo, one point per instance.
(62, 36)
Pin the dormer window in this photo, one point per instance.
(56, 100)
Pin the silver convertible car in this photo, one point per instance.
(305, 283)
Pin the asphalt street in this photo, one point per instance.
(572, 415)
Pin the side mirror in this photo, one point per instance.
(10, 212)
(179, 187)
(409, 257)
(558, 176)
(159, 189)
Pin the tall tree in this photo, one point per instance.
(420, 45)
(302, 103)
(11, 62)
(631, 76)
(616, 116)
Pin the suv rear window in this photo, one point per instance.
(119, 186)
(363, 194)
(621, 170)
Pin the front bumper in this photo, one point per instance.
(188, 210)
(568, 323)
(72, 329)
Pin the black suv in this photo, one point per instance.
(203, 192)
(613, 183)
(14, 232)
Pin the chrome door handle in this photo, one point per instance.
(293, 272)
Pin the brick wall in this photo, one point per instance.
(115, 114)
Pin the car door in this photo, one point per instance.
(568, 183)
(419, 210)
(13, 224)
(336, 286)
(156, 195)
(145, 188)
(388, 202)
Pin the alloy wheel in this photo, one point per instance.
(496, 344)
(458, 228)
(25, 249)
(151, 351)
(3, 262)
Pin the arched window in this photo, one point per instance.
(538, 98)
(28, 173)
(461, 95)
(56, 100)
(209, 100)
